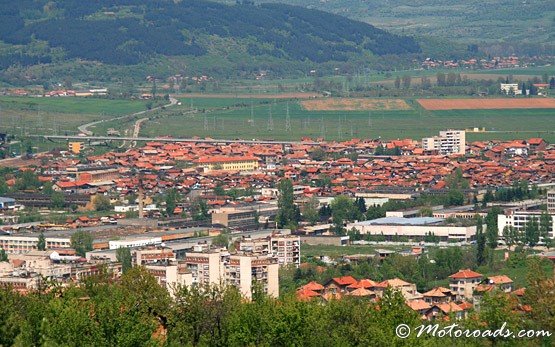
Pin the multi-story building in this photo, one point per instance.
(284, 248)
(21, 244)
(243, 269)
(152, 254)
(463, 283)
(245, 163)
(519, 219)
(551, 202)
(219, 267)
(448, 142)
(235, 218)
(75, 147)
(171, 275)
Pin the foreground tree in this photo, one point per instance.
(123, 256)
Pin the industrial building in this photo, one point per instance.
(415, 228)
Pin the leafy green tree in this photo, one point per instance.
(221, 240)
(318, 154)
(3, 186)
(82, 242)
(310, 211)
(219, 190)
(397, 82)
(286, 208)
(57, 200)
(41, 244)
(343, 209)
(123, 256)
(361, 205)
(492, 231)
(3, 255)
(172, 198)
(455, 197)
(102, 203)
(27, 180)
(532, 232)
(480, 241)
(545, 222)
(199, 209)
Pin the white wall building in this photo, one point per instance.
(448, 142)
(414, 228)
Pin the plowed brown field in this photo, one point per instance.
(485, 104)
(354, 104)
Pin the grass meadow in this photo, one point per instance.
(238, 119)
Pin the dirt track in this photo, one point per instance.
(485, 104)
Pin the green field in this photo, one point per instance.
(22, 115)
(73, 105)
(342, 125)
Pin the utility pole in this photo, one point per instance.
(252, 115)
(287, 119)
(270, 120)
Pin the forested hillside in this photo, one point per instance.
(528, 24)
(128, 32)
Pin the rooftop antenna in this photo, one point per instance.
(339, 129)
(287, 119)
(322, 129)
(205, 123)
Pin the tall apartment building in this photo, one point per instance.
(286, 249)
(448, 142)
(242, 270)
(551, 201)
(219, 267)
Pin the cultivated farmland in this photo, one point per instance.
(354, 104)
(486, 104)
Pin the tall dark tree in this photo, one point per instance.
(480, 241)
(123, 256)
(492, 232)
(41, 244)
(82, 242)
(286, 207)
(532, 232)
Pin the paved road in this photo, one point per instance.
(84, 129)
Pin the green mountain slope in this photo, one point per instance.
(471, 21)
(131, 32)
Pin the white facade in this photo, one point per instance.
(551, 202)
(519, 219)
(414, 228)
(138, 242)
(448, 142)
(511, 88)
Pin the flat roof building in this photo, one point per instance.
(415, 229)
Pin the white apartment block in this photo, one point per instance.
(551, 202)
(519, 219)
(14, 244)
(219, 267)
(448, 142)
(286, 249)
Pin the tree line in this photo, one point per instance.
(135, 310)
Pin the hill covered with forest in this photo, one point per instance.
(524, 26)
(131, 32)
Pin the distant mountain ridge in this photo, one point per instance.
(126, 32)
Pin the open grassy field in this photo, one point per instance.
(415, 122)
(73, 105)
